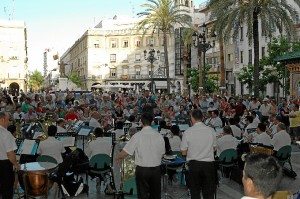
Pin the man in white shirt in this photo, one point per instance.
(227, 141)
(265, 109)
(250, 125)
(197, 145)
(148, 146)
(281, 138)
(98, 146)
(261, 176)
(262, 137)
(237, 132)
(94, 122)
(61, 126)
(216, 120)
(52, 146)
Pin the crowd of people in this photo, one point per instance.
(218, 123)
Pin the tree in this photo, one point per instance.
(36, 80)
(230, 15)
(211, 80)
(75, 79)
(162, 15)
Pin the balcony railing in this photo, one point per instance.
(128, 77)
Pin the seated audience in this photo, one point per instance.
(281, 138)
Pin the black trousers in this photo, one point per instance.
(202, 176)
(7, 179)
(148, 182)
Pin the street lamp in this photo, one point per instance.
(151, 58)
(203, 46)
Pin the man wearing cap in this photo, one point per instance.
(265, 109)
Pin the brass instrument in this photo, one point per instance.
(42, 137)
(90, 138)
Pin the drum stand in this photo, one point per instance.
(165, 194)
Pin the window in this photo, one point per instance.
(242, 34)
(124, 58)
(250, 57)
(138, 43)
(113, 44)
(151, 41)
(138, 57)
(112, 58)
(229, 57)
(112, 72)
(96, 44)
(162, 56)
(263, 51)
(242, 57)
(125, 44)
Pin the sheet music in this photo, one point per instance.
(28, 147)
(67, 141)
(84, 131)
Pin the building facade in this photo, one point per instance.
(13, 55)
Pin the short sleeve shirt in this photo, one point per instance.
(199, 141)
(148, 146)
(7, 143)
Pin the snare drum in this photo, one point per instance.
(33, 177)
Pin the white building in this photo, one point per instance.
(13, 55)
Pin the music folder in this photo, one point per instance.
(85, 131)
(28, 147)
(66, 140)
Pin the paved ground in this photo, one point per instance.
(228, 189)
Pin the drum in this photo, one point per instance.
(128, 167)
(33, 177)
(260, 149)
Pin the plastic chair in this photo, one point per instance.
(228, 159)
(284, 155)
(100, 166)
(46, 158)
(129, 189)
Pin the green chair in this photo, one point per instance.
(100, 166)
(46, 158)
(129, 189)
(284, 155)
(228, 159)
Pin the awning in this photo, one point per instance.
(160, 84)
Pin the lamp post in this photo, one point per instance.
(152, 58)
(203, 46)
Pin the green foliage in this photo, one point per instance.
(211, 80)
(75, 79)
(36, 80)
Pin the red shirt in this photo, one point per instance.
(71, 116)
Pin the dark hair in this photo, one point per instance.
(197, 115)
(227, 130)
(265, 172)
(12, 128)
(147, 118)
(281, 126)
(249, 118)
(232, 121)
(297, 106)
(52, 130)
(131, 118)
(119, 125)
(262, 127)
(59, 121)
(163, 124)
(98, 132)
(175, 130)
(216, 112)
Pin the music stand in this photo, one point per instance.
(27, 146)
(66, 138)
(84, 132)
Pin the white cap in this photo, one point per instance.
(265, 99)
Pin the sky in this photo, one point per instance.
(57, 24)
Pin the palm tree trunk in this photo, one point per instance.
(167, 61)
(222, 62)
(200, 67)
(185, 62)
(256, 53)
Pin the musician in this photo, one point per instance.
(147, 143)
(30, 116)
(216, 120)
(208, 119)
(227, 141)
(250, 124)
(147, 103)
(175, 140)
(100, 145)
(262, 137)
(61, 126)
(265, 110)
(51, 146)
(272, 128)
(261, 176)
(94, 122)
(7, 158)
(131, 120)
(236, 131)
(198, 144)
(281, 138)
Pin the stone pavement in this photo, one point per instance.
(228, 189)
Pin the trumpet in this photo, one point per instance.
(91, 138)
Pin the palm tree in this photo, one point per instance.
(162, 15)
(232, 14)
(187, 40)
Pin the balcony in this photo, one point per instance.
(127, 77)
